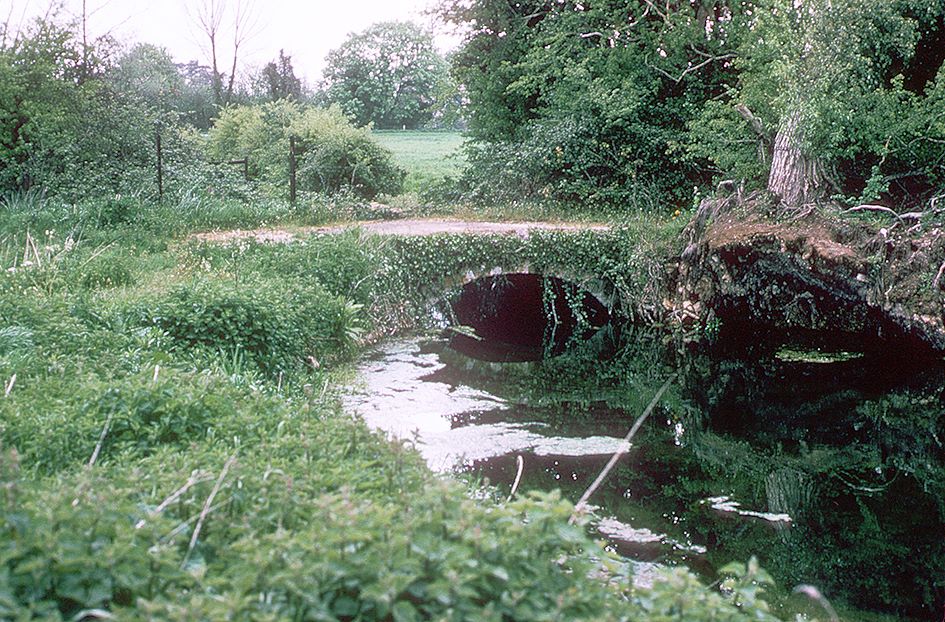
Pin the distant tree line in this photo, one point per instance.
(79, 117)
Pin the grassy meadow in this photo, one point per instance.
(425, 155)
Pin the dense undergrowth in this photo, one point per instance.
(172, 447)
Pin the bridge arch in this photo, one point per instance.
(520, 313)
(598, 286)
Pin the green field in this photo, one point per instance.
(425, 155)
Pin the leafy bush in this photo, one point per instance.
(64, 129)
(332, 154)
(336, 155)
(572, 160)
(120, 546)
(138, 415)
(276, 327)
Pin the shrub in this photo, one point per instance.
(332, 154)
(275, 326)
(277, 547)
(337, 155)
(573, 160)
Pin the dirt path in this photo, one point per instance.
(397, 227)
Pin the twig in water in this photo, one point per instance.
(101, 440)
(518, 476)
(206, 509)
(624, 448)
(10, 386)
(814, 594)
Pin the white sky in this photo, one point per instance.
(306, 30)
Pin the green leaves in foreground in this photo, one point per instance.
(273, 547)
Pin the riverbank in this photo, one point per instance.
(173, 445)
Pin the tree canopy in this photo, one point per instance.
(280, 80)
(603, 101)
(390, 75)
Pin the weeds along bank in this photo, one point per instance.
(171, 445)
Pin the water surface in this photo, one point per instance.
(830, 468)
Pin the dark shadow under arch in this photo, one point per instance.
(523, 317)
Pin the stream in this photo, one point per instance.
(830, 467)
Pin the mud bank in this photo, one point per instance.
(828, 278)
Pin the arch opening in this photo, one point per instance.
(518, 317)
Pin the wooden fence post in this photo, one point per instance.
(245, 165)
(160, 166)
(292, 170)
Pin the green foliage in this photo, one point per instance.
(589, 103)
(332, 154)
(601, 102)
(276, 328)
(390, 76)
(719, 135)
(178, 370)
(105, 271)
(62, 126)
(147, 73)
(865, 79)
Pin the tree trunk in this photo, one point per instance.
(796, 178)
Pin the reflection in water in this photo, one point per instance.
(523, 317)
(455, 425)
(832, 473)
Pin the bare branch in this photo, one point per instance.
(206, 509)
(211, 18)
(690, 68)
(101, 441)
(646, 12)
(753, 120)
(874, 208)
(195, 478)
(936, 282)
(664, 14)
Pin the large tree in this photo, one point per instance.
(279, 79)
(841, 97)
(589, 101)
(148, 72)
(222, 21)
(388, 75)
